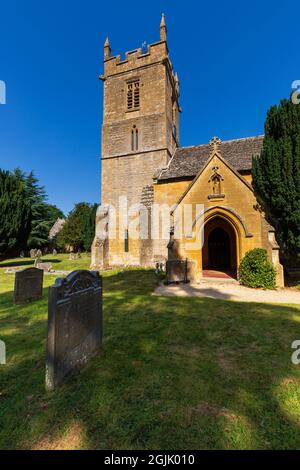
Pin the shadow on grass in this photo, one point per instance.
(188, 291)
(11, 264)
(174, 373)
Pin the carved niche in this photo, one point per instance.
(216, 184)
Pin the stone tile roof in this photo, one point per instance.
(188, 161)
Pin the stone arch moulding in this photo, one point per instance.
(228, 214)
(234, 221)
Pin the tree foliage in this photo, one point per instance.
(15, 214)
(54, 213)
(43, 215)
(276, 175)
(25, 216)
(79, 230)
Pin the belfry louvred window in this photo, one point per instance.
(136, 95)
(133, 95)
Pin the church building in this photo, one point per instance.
(144, 164)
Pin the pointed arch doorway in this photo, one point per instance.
(219, 253)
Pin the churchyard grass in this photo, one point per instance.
(175, 373)
(60, 262)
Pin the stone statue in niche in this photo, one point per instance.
(216, 185)
(216, 180)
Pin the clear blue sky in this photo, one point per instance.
(234, 60)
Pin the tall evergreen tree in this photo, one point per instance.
(25, 216)
(276, 175)
(15, 214)
(39, 223)
(43, 215)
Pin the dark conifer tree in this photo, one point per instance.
(276, 176)
(15, 215)
(43, 215)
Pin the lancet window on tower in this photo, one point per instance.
(134, 139)
(133, 95)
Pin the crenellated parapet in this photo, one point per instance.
(156, 53)
(136, 58)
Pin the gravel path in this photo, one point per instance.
(229, 290)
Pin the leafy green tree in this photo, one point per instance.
(15, 214)
(276, 175)
(79, 230)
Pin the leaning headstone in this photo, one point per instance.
(46, 267)
(74, 324)
(54, 252)
(28, 285)
(33, 253)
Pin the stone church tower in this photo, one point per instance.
(140, 134)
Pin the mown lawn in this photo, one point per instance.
(175, 373)
(60, 262)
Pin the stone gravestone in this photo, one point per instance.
(74, 256)
(46, 267)
(74, 324)
(33, 253)
(178, 270)
(28, 285)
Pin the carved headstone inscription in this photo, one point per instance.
(28, 285)
(74, 324)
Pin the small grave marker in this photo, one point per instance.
(28, 285)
